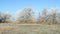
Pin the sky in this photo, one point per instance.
(37, 5)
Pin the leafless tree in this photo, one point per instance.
(54, 13)
(39, 18)
(26, 15)
(51, 17)
(44, 15)
(7, 17)
(0, 18)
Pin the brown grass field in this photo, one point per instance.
(9, 28)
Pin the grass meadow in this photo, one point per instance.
(9, 28)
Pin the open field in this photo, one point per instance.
(8, 28)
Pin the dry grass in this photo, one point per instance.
(9, 28)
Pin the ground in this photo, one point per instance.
(8, 28)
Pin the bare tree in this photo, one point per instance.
(51, 17)
(42, 18)
(54, 13)
(44, 15)
(39, 18)
(26, 15)
(7, 17)
(0, 18)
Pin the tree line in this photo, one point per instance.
(27, 16)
